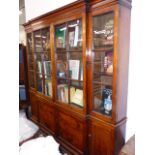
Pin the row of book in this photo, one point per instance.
(76, 95)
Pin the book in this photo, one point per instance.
(78, 97)
(107, 101)
(74, 69)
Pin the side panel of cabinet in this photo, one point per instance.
(34, 107)
(72, 131)
(46, 116)
(100, 139)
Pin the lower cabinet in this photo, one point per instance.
(76, 135)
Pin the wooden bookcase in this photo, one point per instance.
(78, 74)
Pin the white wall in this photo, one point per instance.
(36, 8)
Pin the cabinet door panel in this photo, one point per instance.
(71, 130)
(100, 140)
(46, 116)
(34, 107)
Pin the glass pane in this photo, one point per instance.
(29, 42)
(61, 56)
(76, 96)
(48, 86)
(31, 61)
(46, 39)
(75, 66)
(31, 79)
(47, 68)
(103, 99)
(39, 63)
(75, 34)
(39, 83)
(37, 41)
(103, 31)
(102, 82)
(62, 69)
(60, 36)
(62, 90)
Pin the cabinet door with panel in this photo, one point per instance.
(72, 131)
(46, 115)
(100, 138)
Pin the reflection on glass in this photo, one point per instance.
(103, 30)
(60, 35)
(75, 33)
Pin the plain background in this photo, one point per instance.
(141, 75)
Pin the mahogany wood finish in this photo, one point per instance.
(84, 131)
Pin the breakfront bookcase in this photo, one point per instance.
(78, 74)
